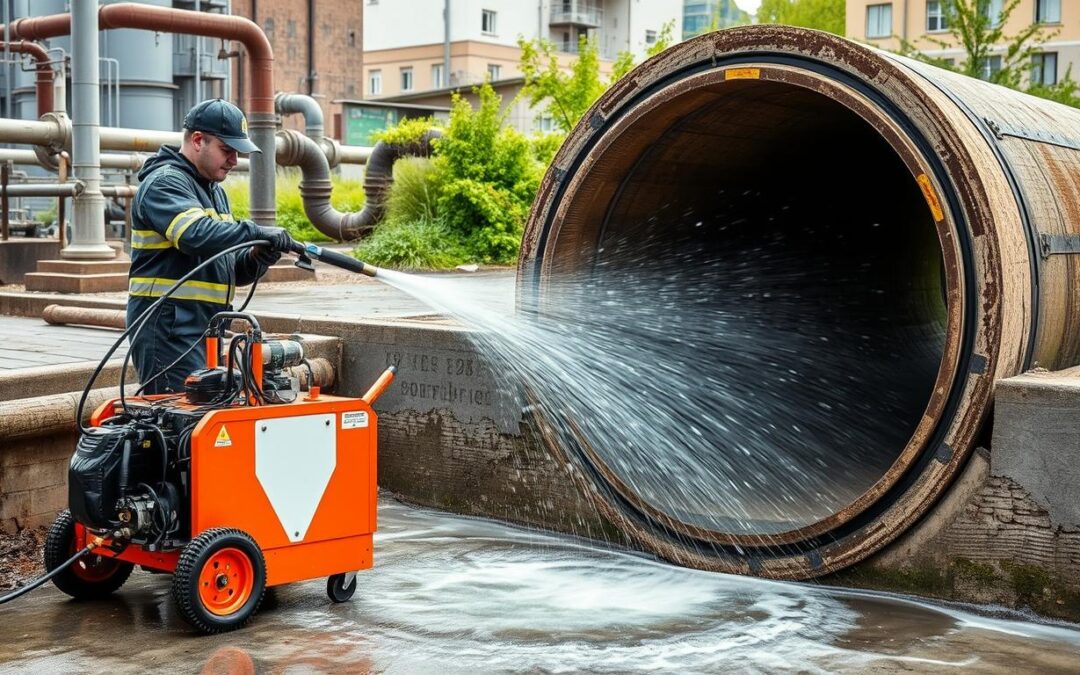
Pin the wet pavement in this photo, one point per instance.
(457, 595)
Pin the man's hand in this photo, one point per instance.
(265, 256)
(277, 236)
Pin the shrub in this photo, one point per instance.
(408, 130)
(415, 245)
(486, 176)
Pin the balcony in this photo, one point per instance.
(573, 14)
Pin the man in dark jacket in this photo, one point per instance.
(180, 218)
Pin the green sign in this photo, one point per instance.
(361, 123)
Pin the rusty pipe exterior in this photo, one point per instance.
(43, 86)
(168, 20)
(988, 180)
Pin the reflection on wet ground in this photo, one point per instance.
(458, 595)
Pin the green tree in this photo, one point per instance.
(827, 15)
(569, 94)
(974, 28)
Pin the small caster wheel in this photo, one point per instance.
(341, 587)
(90, 577)
(220, 580)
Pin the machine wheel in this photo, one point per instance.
(91, 576)
(337, 590)
(219, 580)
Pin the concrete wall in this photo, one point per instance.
(1009, 530)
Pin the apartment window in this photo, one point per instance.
(992, 10)
(268, 29)
(991, 65)
(546, 123)
(375, 82)
(936, 20)
(650, 37)
(487, 22)
(879, 21)
(1044, 68)
(494, 70)
(1048, 11)
(437, 76)
(406, 79)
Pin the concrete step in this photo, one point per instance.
(76, 283)
(84, 266)
(286, 272)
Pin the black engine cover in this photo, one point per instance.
(94, 479)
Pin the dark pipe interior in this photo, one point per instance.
(785, 262)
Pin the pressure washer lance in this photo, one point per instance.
(305, 252)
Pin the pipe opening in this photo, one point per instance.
(781, 256)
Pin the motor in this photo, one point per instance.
(234, 485)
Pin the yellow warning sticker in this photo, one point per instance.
(931, 197)
(743, 74)
(223, 440)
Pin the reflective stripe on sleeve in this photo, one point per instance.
(181, 222)
(202, 291)
(148, 239)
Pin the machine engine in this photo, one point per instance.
(129, 476)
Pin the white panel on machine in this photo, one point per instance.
(294, 459)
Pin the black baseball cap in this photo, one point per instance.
(224, 120)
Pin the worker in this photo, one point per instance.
(181, 217)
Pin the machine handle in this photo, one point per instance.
(380, 385)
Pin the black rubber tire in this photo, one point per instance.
(193, 558)
(336, 589)
(60, 545)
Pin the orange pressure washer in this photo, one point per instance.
(240, 483)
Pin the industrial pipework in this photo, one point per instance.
(261, 116)
(288, 104)
(296, 149)
(43, 85)
(925, 220)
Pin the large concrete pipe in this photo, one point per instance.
(261, 66)
(295, 149)
(903, 235)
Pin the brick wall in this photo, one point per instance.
(338, 32)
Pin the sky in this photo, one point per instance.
(748, 5)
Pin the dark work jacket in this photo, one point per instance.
(180, 219)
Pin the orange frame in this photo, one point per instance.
(225, 492)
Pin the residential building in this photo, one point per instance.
(923, 24)
(405, 43)
(701, 16)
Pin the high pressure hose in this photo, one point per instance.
(41, 580)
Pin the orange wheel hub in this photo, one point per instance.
(226, 581)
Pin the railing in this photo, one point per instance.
(581, 15)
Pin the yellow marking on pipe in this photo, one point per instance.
(930, 194)
(742, 74)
